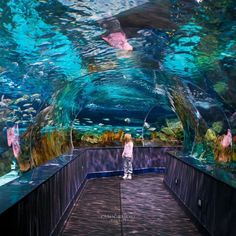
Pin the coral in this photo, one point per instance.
(39, 144)
(90, 138)
(6, 160)
(49, 146)
(217, 126)
(220, 87)
(170, 134)
(212, 146)
(107, 138)
(210, 136)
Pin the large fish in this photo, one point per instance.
(152, 15)
(118, 40)
(115, 36)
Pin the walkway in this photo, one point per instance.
(146, 207)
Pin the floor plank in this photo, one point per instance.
(141, 206)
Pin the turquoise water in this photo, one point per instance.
(58, 74)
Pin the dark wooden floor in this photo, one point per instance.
(142, 206)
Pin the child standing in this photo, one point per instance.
(128, 157)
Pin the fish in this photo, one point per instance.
(106, 119)
(15, 63)
(38, 100)
(150, 15)
(100, 124)
(89, 121)
(146, 125)
(204, 104)
(127, 120)
(152, 129)
(58, 55)
(86, 118)
(25, 76)
(60, 45)
(48, 35)
(27, 105)
(44, 44)
(30, 110)
(36, 95)
(2, 103)
(159, 90)
(36, 63)
(41, 73)
(2, 69)
(24, 98)
(118, 40)
(50, 122)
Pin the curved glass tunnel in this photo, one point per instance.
(83, 73)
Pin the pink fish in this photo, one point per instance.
(118, 40)
(227, 140)
(13, 139)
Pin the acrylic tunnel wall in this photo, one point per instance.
(84, 73)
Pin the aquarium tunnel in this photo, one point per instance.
(77, 76)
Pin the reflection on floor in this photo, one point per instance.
(142, 206)
(9, 177)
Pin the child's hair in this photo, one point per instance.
(127, 138)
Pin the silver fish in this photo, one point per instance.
(127, 120)
(146, 125)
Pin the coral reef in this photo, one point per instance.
(171, 134)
